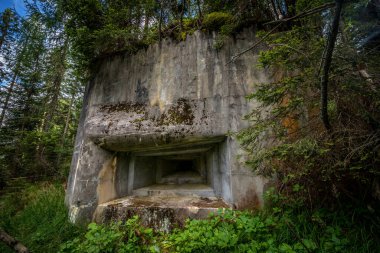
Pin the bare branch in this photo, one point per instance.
(303, 14)
(233, 58)
(12, 242)
(280, 22)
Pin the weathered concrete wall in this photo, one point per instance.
(172, 96)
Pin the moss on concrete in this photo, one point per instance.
(124, 107)
(179, 113)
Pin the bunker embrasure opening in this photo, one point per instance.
(169, 173)
(174, 175)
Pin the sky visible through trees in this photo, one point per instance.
(18, 5)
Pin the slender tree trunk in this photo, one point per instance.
(160, 22)
(4, 29)
(199, 9)
(327, 63)
(181, 15)
(57, 82)
(275, 11)
(9, 94)
(4, 33)
(27, 110)
(146, 23)
(67, 123)
(12, 83)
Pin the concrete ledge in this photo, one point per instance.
(200, 190)
(137, 142)
(160, 213)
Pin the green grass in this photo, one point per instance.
(37, 217)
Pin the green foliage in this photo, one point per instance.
(116, 237)
(222, 22)
(278, 229)
(36, 216)
(287, 140)
(102, 29)
(228, 232)
(178, 31)
(273, 231)
(99, 29)
(214, 21)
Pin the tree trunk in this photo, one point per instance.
(181, 15)
(58, 78)
(274, 10)
(9, 94)
(160, 22)
(67, 122)
(12, 83)
(199, 9)
(327, 63)
(12, 242)
(4, 32)
(6, 18)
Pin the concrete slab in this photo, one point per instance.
(173, 190)
(162, 213)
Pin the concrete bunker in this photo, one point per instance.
(153, 137)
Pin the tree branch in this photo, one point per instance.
(233, 58)
(304, 14)
(12, 242)
(280, 22)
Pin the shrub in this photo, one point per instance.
(274, 230)
(215, 20)
(116, 237)
(180, 32)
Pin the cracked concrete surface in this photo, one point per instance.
(172, 99)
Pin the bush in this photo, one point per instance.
(271, 231)
(116, 237)
(215, 20)
(180, 32)
(274, 230)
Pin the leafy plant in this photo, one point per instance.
(284, 230)
(214, 21)
(116, 237)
